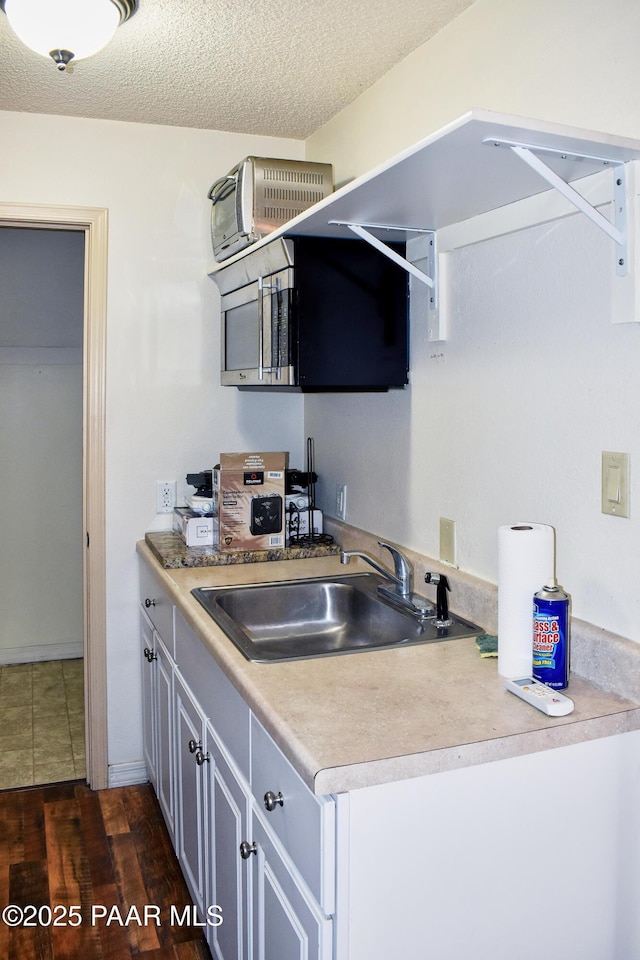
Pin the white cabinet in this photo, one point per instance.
(157, 706)
(446, 866)
(287, 922)
(250, 836)
(276, 900)
(191, 757)
(147, 646)
(228, 876)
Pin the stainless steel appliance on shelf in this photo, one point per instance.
(260, 194)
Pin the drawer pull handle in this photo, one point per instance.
(201, 757)
(246, 849)
(272, 800)
(150, 655)
(149, 603)
(194, 745)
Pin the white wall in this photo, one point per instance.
(507, 419)
(570, 61)
(41, 546)
(166, 414)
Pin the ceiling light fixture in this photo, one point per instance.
(67, 29)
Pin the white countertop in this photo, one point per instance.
(361, 719)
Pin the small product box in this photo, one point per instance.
(195, 529)
(251, 501)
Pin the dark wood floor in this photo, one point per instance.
(66, 846)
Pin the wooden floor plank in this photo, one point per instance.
(96, 842)
(12, 836)
(113, 937)
(29, 887)
(133, 893)
(4, 900)
(69, 880)
(163, 881)
(112, 805)
(35, 847)
(143, 809)
(193, 950)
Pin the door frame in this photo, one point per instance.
(93, 222)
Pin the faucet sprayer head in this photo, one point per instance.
(344, 557)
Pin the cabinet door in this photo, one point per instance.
(227, 824)
(148, 706)
(163, 711)
(287, 922)
(190, 792)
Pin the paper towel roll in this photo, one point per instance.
(526, 553)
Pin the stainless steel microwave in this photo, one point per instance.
(260, 194)
(314, 314)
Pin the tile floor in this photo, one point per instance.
(41, 723)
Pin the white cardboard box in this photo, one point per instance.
(195, 529)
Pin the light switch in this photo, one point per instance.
(615, 483)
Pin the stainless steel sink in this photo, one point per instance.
(297, 619)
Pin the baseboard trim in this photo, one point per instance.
(127, 774)
(73, 650)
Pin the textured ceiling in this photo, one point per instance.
(274, 67)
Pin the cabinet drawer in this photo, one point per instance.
(157, 605)
(304, 823)
(218, 698)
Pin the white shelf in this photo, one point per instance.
(456, 174)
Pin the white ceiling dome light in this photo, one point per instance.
(67, 29)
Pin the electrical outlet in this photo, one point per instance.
(166, 496)
(341, 501)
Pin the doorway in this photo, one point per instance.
(41, 620)
(92, 223)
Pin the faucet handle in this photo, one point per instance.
(402, 567)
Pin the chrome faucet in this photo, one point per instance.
(402, 579)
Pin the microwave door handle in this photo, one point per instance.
(262, 286)
(217, 191)
(260, 328)
(278, 294)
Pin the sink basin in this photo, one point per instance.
(297, 619)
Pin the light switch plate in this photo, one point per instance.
(448, 541)
(615, 483)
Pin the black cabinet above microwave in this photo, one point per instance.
(314, 314)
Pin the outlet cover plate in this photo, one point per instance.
(448, 541)
(166, 496)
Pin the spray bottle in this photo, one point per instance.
(551, 636)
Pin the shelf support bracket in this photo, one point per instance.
(424, 248)
(362, 230)
(616, 230)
